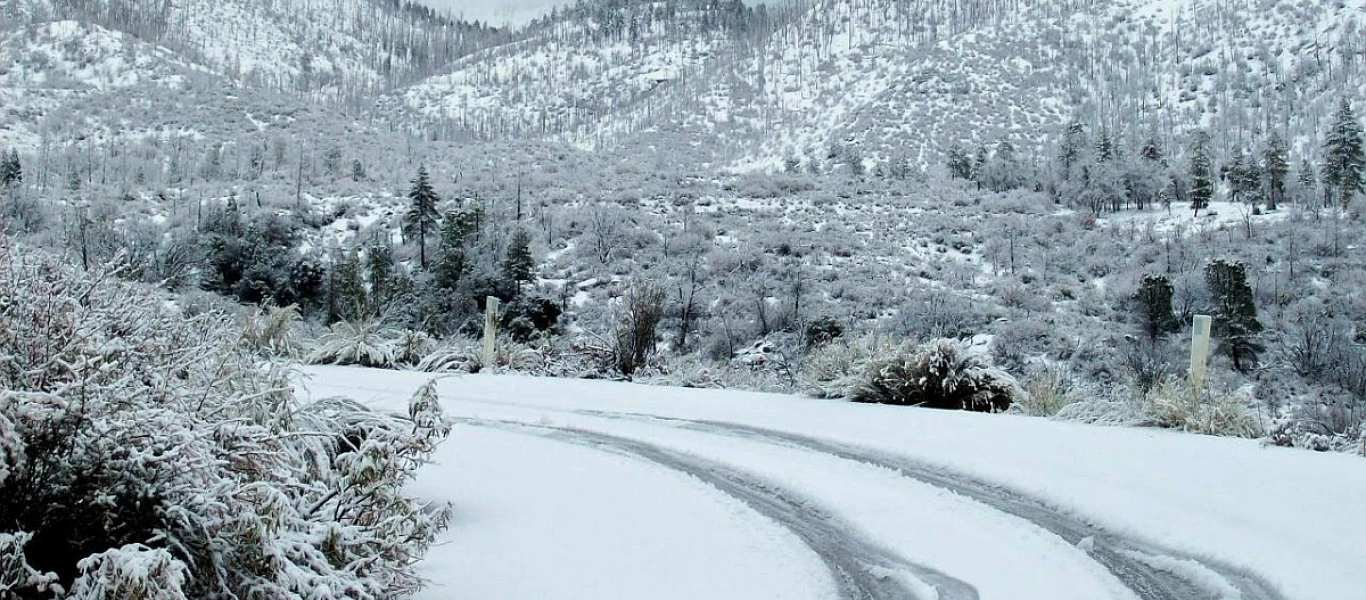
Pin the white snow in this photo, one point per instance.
(1287, 515)
(536, 519)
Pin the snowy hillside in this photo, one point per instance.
(898, 79)
(677, 493)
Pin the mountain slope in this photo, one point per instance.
(907, 78)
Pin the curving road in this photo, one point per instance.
(1144, 568)
(860, 569)
(888, 520)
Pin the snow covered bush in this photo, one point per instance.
(367, 343)
(943, 373)
(452, 355)
(271, 331)
(833, 369)
(1174, 405)
(147, 454)
(1049, 392)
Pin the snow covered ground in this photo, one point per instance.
(585, 489)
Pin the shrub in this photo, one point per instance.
(366, 343)
(1049, 392)
(943, 374)
(833, 370)
(454, 355)
(1174, 405)
(822, 331)
(145, 454)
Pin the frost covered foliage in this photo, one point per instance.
(943, 373)
(145, 454)
(367, 343)
(271, 331)
(833, 369)
(1050, 392)
(1174, 405)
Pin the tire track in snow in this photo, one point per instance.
(861, 569)
(1150, 571)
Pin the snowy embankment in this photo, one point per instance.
(584, 489)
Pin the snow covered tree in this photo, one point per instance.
(1234, 312)
(1201, 171)
(637, 327)
(518, 265)
(1070, 152)
(1154, 301)
(1244, 177)
(960, 164)
(11, 170)
(347, 290)
(379, 263)
(1275, 170)
(1152, 151)
(145, 453)
(1344, 156)
(422, 215)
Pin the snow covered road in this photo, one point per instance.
(832, 500)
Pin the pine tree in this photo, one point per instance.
(960, 165)
(457, 232)
(11, 170)
(1275, 169)
(347, 289)
(1105, 148)
(1243, 176)
(1152, 151)
(380, 265)
(1154, 298)
(1235, 313)
(519, 266)
(1308, 180)
(421, 217)
(1069, 154)
(1344, 155)
(1201, 171)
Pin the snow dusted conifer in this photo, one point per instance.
(1345, 160)
(422, 216)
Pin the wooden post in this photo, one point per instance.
(490, 332)
(1199, 352)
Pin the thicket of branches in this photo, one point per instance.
(147, 453)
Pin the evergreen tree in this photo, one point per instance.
(1201, 171)
(1308, 180)
(1344, 155)
(1105, 148)
(346, 294)
(1069, 153)
(380, 265)
(1244, 177)
(11, 170)
(1275, 169)
(1152, 151)
(1154, 299)
(519, 266)
(960, 165)
(457, 233)
(421, 217)
(1234, 312)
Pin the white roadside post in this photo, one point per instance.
(490, 332)
(1199, 353)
